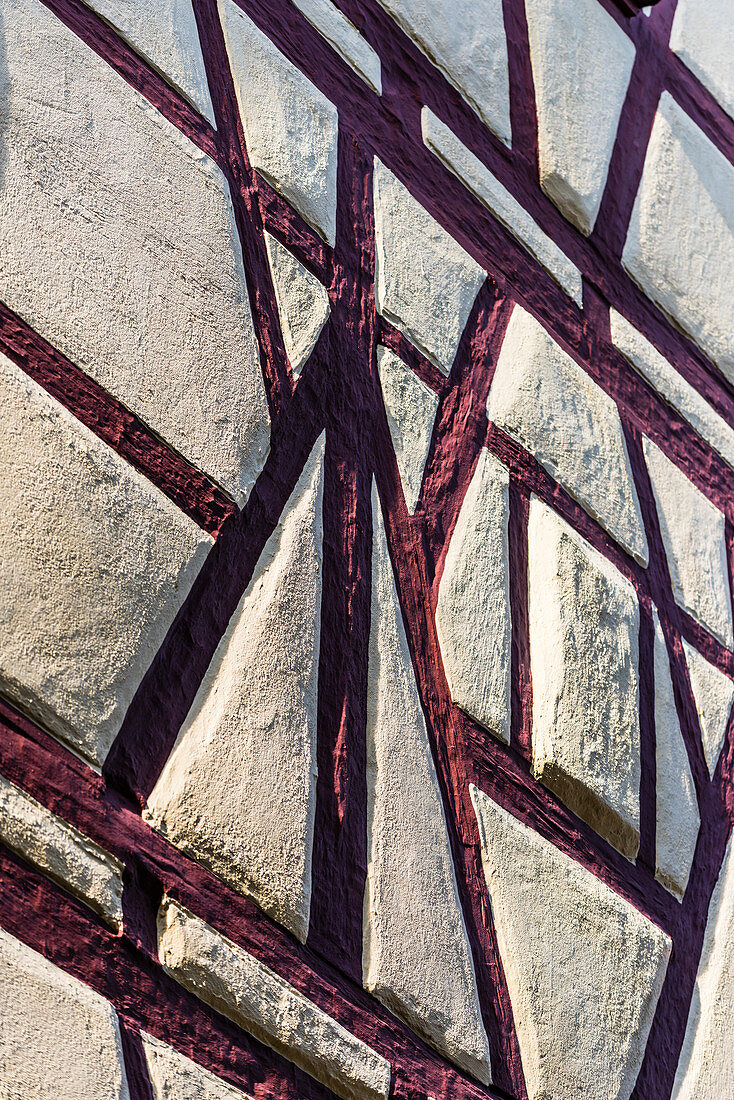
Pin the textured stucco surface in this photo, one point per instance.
(432, 985)
(695, 546)
(583, 1011)
(703, 36)
(584, 620)
(239, 787)
(543, 399)
(488, 189)
(58, 1037)
(118, 244)
(713, 694)
(175, 1077)
(168, 38)
(240, 986)
(303, 303)
(472, 612)
(581, 67)
(467, 42)
(345, 38)
(677, 820)
(411, 410)
(680, 243)
(276, 103)
(664, 378)
(73, 860)
(705, 1070)
(77, 637)
(425, 282)
(366, 550)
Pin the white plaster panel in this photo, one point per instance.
(584, 626)
(239, 788)
(677, 807)
(416, 956)
(118, 245)
(425, 283)
(488, 189)
(57, 848)
(703, 37)
(545, 401)
(584, 968)
(165, 33)
(59, 1040)
(473, 609)
(329, 21)
(290, 126)
(695, 545)
(713, 693)
(411, 410)
(303, 303)
(582, 61)
(680, 241)
(466, 40)
(94, 564)
(175, 1077)
(706, 1067)
(671, 385)
(257, 999)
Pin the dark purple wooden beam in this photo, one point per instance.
(631, 7)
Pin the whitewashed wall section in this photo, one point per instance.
(366, 523)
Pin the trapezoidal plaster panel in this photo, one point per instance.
(118, 245)
(584, 968)
(425, 282)
(238, 790)
(416, 955)
(677, 819)
(61, 851)
(340, 33)
(466, 39)
(703, 36)
(166, 35)
(96, 561)
(548, 403)
(680, 241)
(238, 985)
(473, 608)
(290, 126)
(584, 625)
(582, 61)
(59, 1040)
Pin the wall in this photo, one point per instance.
(366, 504)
